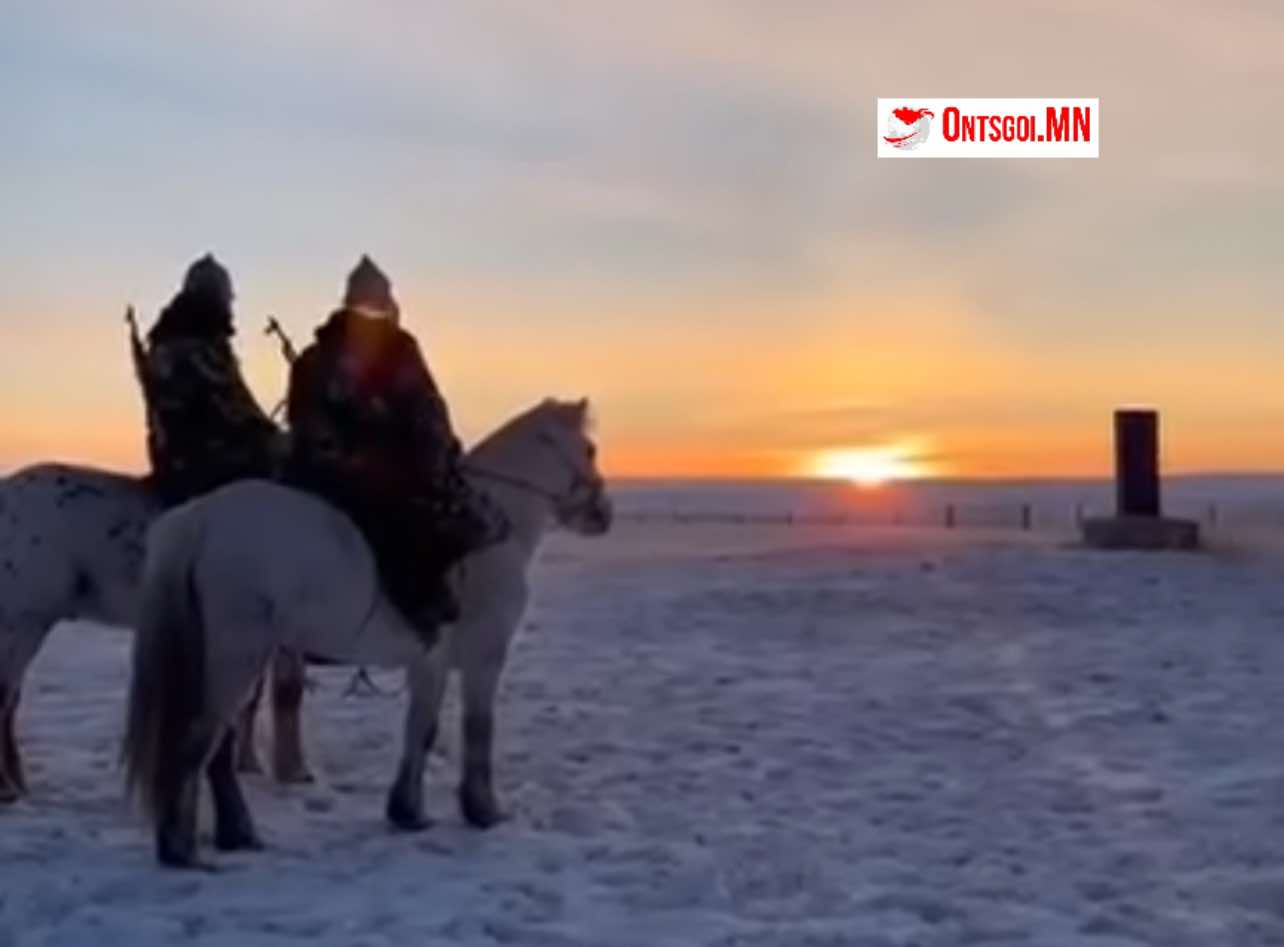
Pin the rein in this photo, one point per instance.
(520, 483)
(560, 501)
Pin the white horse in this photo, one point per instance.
(254, 566)
(71, 547)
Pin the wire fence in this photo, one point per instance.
(1215, 502)
(1017, 516)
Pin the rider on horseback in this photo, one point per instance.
(204, 428)
(371, 433)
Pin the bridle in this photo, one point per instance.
(567, 503)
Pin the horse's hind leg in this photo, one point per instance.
(477, 800)
(177, 803)
(13, 784)
(247, 754)
(233, 825)
(289, 680)
(8, 728)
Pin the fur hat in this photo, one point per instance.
(208, 277)
(369, 291)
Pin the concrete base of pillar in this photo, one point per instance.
(1140, 532)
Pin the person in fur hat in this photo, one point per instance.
(371, 432)
(204, 428)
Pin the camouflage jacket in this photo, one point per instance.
(204, 428)
(368, 426)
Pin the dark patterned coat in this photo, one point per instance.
(204, 428)
(370, 430)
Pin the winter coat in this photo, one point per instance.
(204, 428)
(371, 432)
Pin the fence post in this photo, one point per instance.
(949, 516)
(1027, 517)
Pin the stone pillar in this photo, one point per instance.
(1137, 463)
(1139, 522)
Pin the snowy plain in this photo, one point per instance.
(747, 735)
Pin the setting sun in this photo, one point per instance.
(869, 466)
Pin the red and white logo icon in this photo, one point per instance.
(907, 128)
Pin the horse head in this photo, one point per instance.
(547, 452)
(581, 503)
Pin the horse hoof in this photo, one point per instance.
(485, 818)
(406, 818)
(9, 795)
(180, 857)
(238, 842)
(198, 864)
(296, 777)
(481, 812)
(410, 823)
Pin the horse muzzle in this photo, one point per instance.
(600, 517)
(592, 518)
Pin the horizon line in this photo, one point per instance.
(1270, 474)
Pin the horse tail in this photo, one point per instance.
(167, 688)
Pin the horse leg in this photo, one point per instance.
(9, 736)
(247, 754)
(12, 784)
(477, 800)
(177, 804)
(289, 680)
(234, 827)
(22, 647)
(427, 683)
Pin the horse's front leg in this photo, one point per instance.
(289, 682)
(477, 800)
(426, 680)
(17, 647)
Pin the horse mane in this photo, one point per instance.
(573, 415)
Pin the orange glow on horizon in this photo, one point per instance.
(927, 389)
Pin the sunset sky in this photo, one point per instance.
(673, 208)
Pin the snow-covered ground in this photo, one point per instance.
(748, 736)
